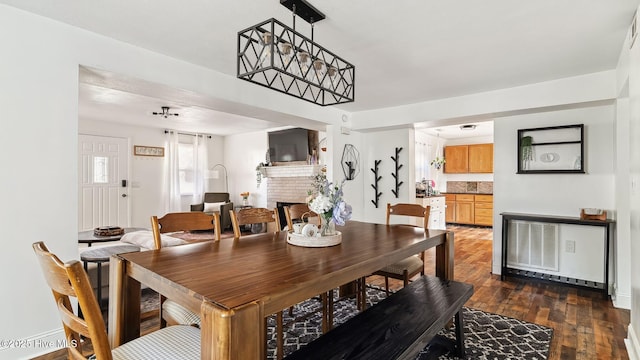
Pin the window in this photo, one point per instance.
(186, 169)
(100, 170)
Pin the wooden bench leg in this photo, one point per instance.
(460, 335)
(361, 295)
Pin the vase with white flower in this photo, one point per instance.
(325, 199)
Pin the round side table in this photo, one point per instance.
(101, 255)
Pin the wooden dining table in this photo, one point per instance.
(236, 283)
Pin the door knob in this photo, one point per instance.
(124, 195)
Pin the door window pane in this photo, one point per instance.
(100, 169)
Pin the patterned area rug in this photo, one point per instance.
(487, 336)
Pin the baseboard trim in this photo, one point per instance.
(621, 301)
(632, 344)
(33, 346)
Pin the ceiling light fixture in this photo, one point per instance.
(467, 127)
(276, 56)
(165, 112)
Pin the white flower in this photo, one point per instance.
(320, 204)
(325, 199)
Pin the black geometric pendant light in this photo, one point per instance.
(276, 56)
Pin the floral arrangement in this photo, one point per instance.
(438, 162)
(325, 199)
(245, 195)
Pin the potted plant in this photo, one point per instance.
(438, 162)
(526, 151)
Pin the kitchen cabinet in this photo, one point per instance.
(483, 210)
(469, 209)
(457, 159)
(450, 209)
(481, 158)
(463, 159)
(464, 209)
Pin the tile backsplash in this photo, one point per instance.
(472, 187)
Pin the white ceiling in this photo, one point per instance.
(482, 129)
(404, 51)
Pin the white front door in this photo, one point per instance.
(103, 198)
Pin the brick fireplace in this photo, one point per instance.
(289, 183)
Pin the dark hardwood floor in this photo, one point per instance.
(585, 326)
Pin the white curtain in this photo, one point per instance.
(200, 161)
(172, 174)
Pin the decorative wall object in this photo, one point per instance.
(350, 162)
(395, 175)
(140, 150)
(555, 149)
(376, 179)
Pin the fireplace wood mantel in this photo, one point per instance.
(290, 171)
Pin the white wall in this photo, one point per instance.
(504, 102)
(631, 65)
(242, 154)
(39, 98)
(554, 194)
(381, 145)
(147, 192)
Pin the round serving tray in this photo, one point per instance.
(314, 241)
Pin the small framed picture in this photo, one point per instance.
(139, 150)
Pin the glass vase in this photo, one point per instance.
(328, 227)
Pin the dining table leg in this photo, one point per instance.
(444, 257)
(232, 334)
(124, 304)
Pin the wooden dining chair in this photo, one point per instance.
(407, 268)
(185, 221)
(299, 212)
(251, 216)
(172, 313)
(69, 280)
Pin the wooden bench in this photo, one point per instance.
(397, 327)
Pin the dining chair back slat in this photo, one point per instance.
(69, 280)
(413, 265)
(413, 210)
(253, 216)
(171, 313)
(184, 221)
(299, 212)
